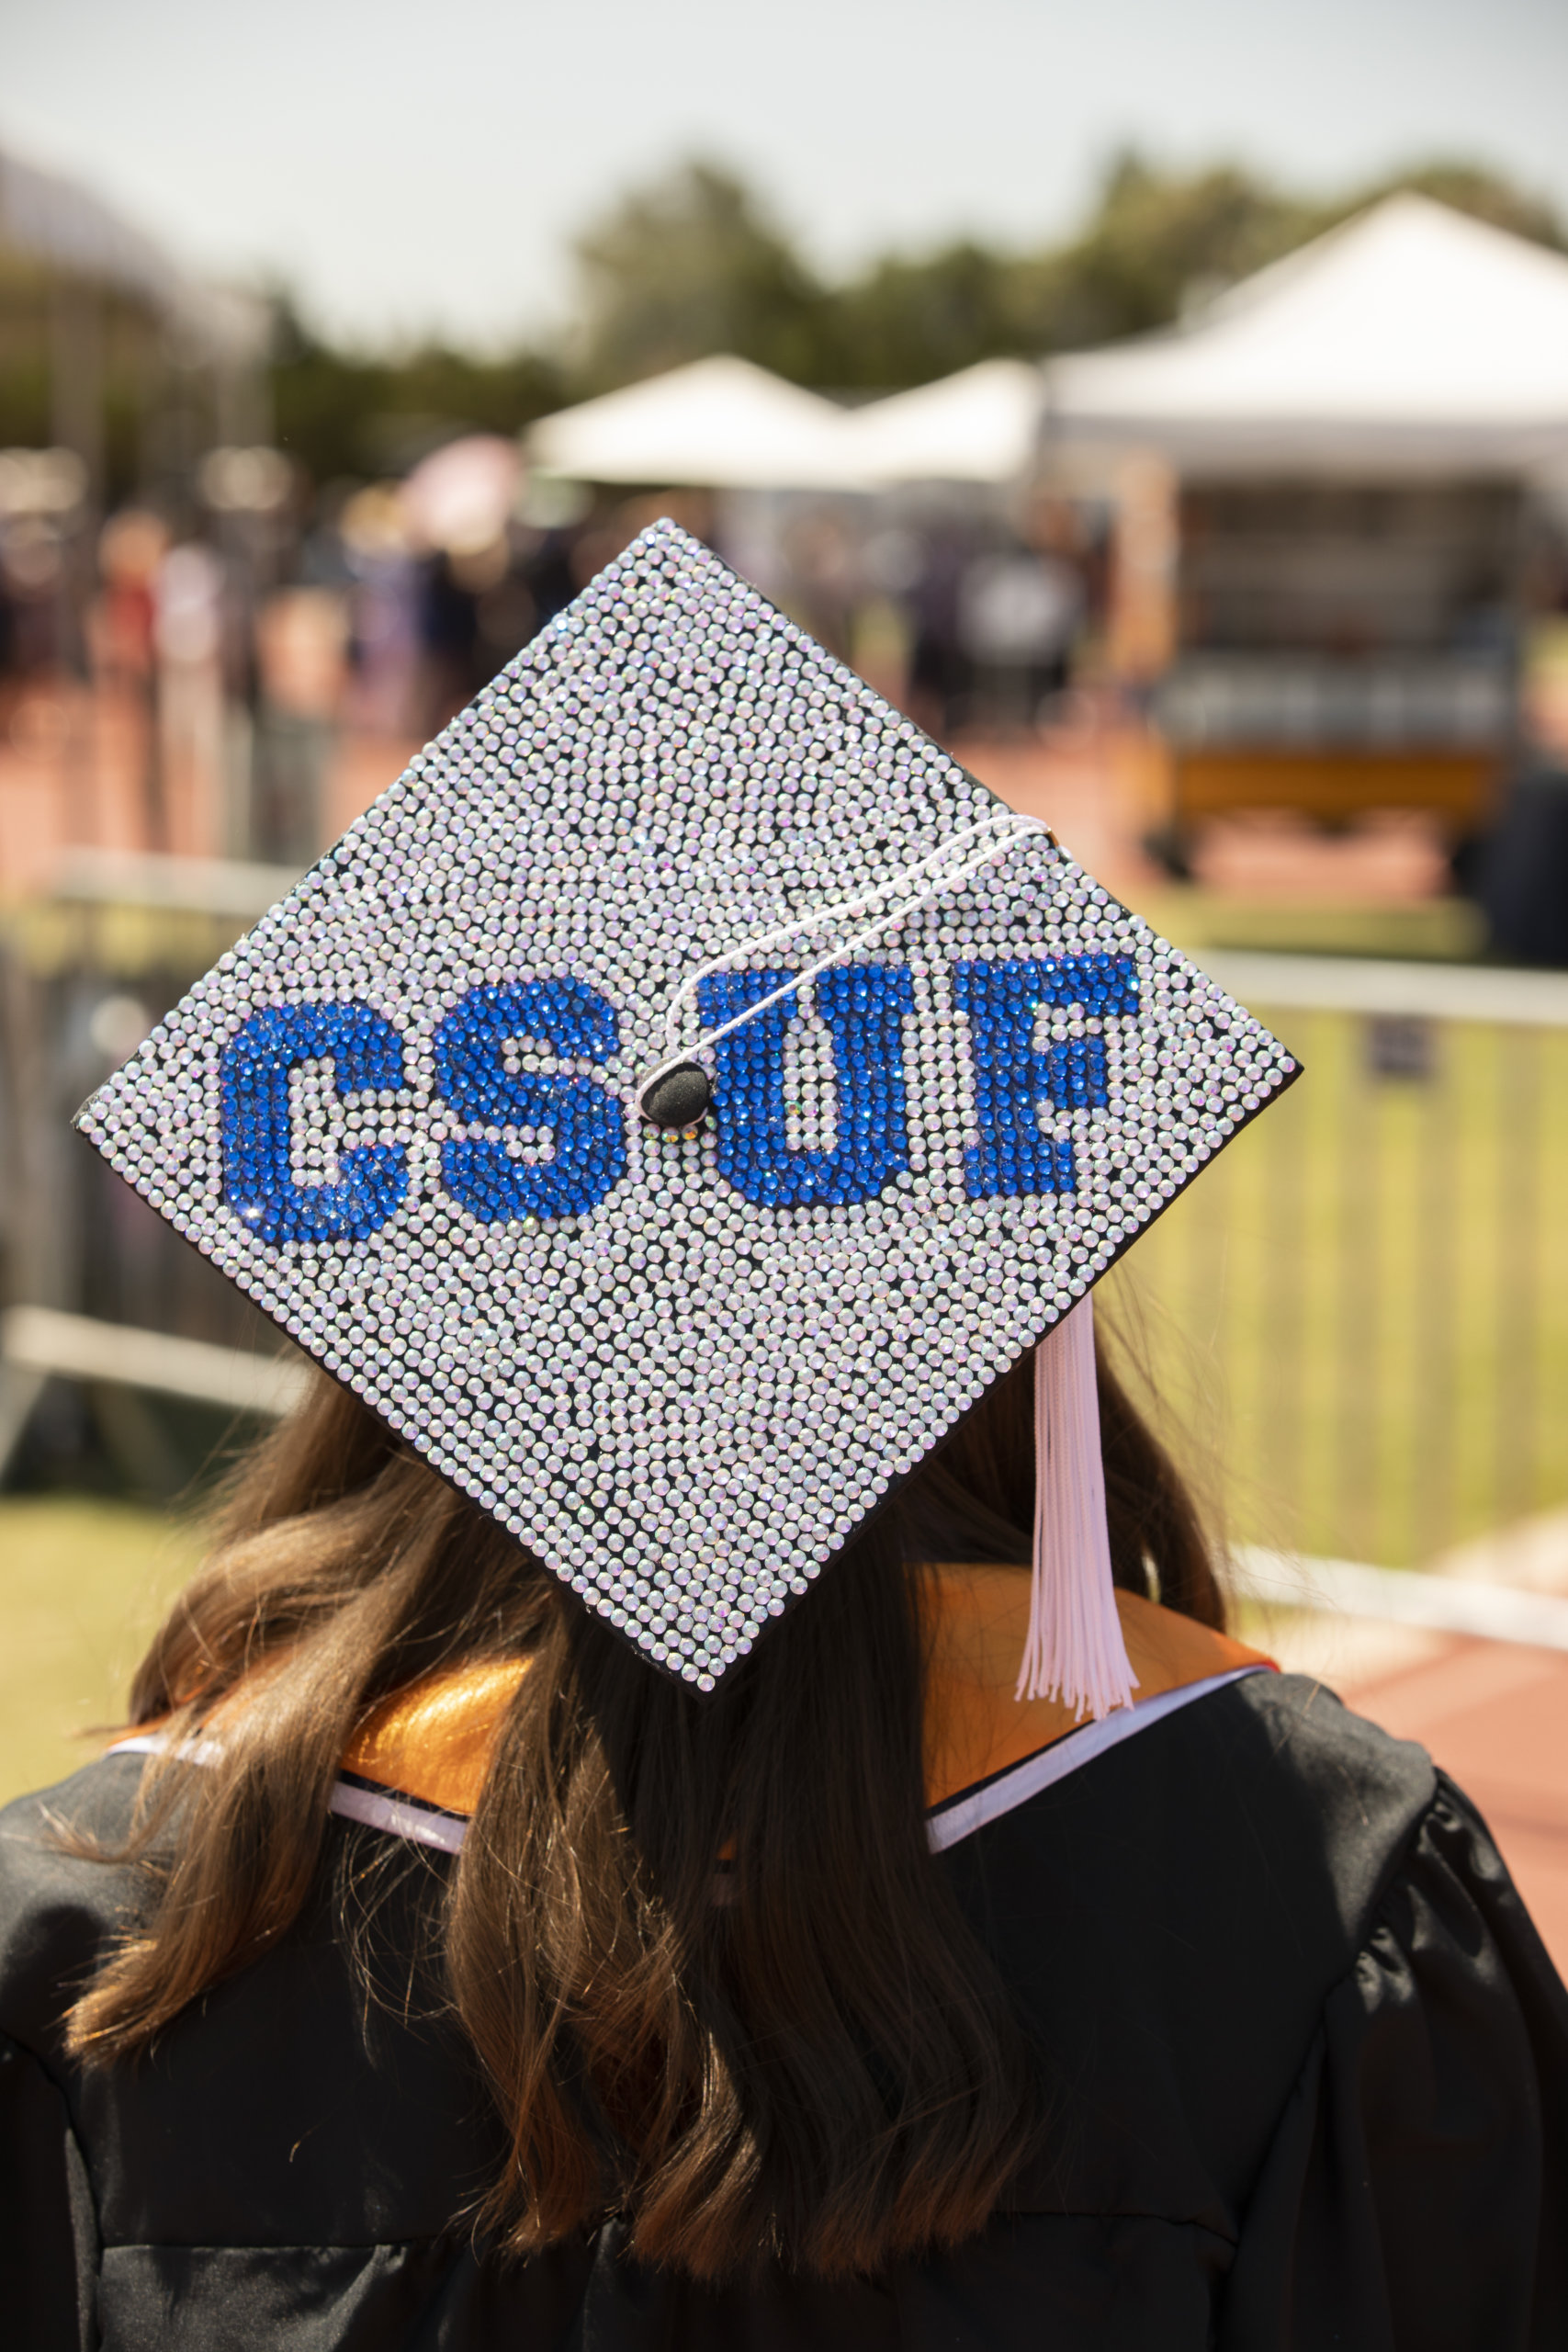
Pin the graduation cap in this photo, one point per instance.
(674, 1102)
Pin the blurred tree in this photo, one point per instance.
(345, 414)
(693, 263)
(688, 264)
(24, 397)
(904, 318)
(1156, 243)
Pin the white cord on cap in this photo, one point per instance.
(1001, 829)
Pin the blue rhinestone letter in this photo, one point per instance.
(586, 1126)
(864, 1006)
(1013, 1077)
(259, 1180)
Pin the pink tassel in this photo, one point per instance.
(1074, 1651)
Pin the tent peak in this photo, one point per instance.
(1411, 335)
(1404, 226)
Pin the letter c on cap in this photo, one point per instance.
(259, 1184)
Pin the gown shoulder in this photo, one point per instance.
(1306, 2057)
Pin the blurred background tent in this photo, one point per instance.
(112, 350)
(1408, 339)
(720, 423)
(1366, 445)
(981, 424)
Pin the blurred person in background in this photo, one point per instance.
(821, 566)
(384, 609)
(132, 545)
(32, 577)
(458, 506)
(301, 659)
(1020, 609)
(544, 566)
(892, 565)
(450, 587)
(8, 630)
(939, 670)
(188, 638)
(122, 636)
(478, 609)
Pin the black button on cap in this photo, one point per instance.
(681, 1097)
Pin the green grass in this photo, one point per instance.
(82, 1585)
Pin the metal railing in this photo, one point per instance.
(40, 1344)
(1362, 1309)
(120, 1339)
(1360, 1312)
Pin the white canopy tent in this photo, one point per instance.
(719, 423)
(981, 426)
(1412, 339)
(57, 225)
(722, 424)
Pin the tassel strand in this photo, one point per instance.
(1074, 1651)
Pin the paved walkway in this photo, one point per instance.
(74, 772)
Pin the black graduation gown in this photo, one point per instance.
(1309, 2062)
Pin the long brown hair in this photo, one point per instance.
(811, 2058)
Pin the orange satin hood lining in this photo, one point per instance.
(435, 1741)
(976, 1727)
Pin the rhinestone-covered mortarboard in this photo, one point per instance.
(683, 1357)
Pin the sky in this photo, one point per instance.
(421, 166)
